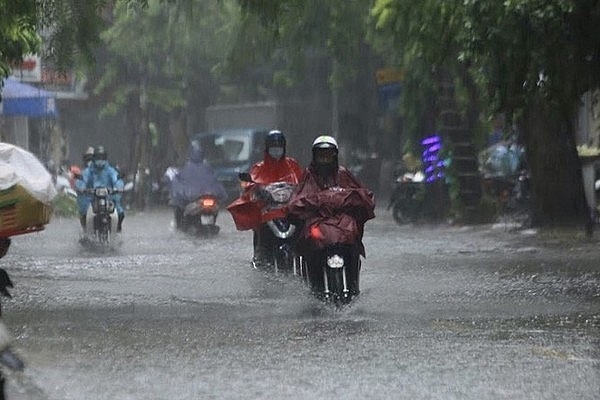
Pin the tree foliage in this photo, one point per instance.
(171, 45)
(70, 30)
(298, 31)
(512, 47)
(18, 32)
(158, 69)
(531, 58)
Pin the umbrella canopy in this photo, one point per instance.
(22, 99)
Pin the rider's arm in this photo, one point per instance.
(85, 181)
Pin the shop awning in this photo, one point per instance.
(19, 98)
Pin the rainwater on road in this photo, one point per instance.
(445, 312)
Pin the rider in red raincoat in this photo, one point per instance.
(247, 210)
(331, 202)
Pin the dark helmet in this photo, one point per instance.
(275, 138)
(275, 144)
(325, 154)
(88, 155)
(100, 153)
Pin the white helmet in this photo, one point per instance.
(325, 142)
(325, 155)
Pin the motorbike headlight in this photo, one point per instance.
(335, 261)
(281, 196)
(101, 192)
(280, 192)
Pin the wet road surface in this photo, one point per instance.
(445, 312)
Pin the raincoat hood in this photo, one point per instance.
(196, 154)
(195, 179)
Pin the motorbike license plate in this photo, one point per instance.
(207, 219)
(335, 261)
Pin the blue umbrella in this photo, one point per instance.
(22, 99)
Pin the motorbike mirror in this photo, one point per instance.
(128, 187)
(245, 177)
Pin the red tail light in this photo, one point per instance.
(207, 203)
(315, 233)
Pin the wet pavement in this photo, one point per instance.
(445, 312)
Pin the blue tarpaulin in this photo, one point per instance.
(22, 99)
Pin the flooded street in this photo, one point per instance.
(445, 312)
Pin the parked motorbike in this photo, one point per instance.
(101, 218)
(513, 196)
(331, 262)
(407, 198)
(277, 231)
(198, 216)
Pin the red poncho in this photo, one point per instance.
(336, 214)
(248, 213)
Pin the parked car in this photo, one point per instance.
(232, 151)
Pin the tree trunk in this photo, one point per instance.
(177, 135)
(143, 162)
(554, 166)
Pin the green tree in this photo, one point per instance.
(299, 29)
(18, 35)
(159, 69)
(532, 59)
(318, 48)
(70, 30)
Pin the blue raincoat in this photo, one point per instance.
(104, 176)
(83, 199)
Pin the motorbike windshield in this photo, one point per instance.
(195, 180)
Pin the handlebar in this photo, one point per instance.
(108, 190)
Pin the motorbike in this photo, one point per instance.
(277, 231)
(407, 198)
(198, 216)
(331, 257)
(513, 196)
(101, 218)
(333, 273)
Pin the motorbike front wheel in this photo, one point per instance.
(336, 286)
(102, 229)
(283, 258)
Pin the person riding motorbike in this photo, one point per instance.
(101, 173)
(196, 178)
(325, 187)
(246, 210)
(84, 199)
